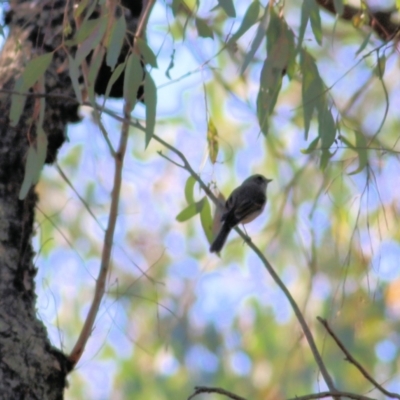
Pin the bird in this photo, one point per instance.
(244, 204)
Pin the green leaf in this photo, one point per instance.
(325, 157)
(175, 7)
(203, 29)
(34, 69)
(312, 88)
(364, 44)
(379, 70)
(115, 75)
(361, 149)
(212, 141)
(190, 211)
(150, 99)
(228, 7)
(313, 145)
(17, 107)
(30, 171)
(41, 150)
(310, 10)
(189, 189)
(117, 37)
(147, 53)
(92, 41)
(339, 6)
(74, 75)
(249, 19)
(206, 220)
(326, 128)
(260, 34)
(132, 79)
(86, 29)
(95, 64)
(315, 19)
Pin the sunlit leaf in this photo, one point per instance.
(212, 141)
(206, 220)
(150, 99)
(189, 189)
(116, 40)
(203, 29)
(190, 211)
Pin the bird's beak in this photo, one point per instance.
(269, 180)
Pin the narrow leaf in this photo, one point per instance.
(206, 220)
(260, 34)
(313, 145)
(74, 75)
(364, 43)
(132, 79)
(115, 75)
(116, 41)
(315, 19)
(150, 99)
(189, 189)
(41, 152)
(147, 53)
(92, 41)
(17, 107)
(326, 128)
(34, 69)
(212, 140)
(361, 148)
(190, 211)
(228, 7)
(95, 64)
(249, 19)
(30, 168)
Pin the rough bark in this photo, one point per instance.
(30, 367)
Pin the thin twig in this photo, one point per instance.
(321, 395)
(204, 389)
(79, 347)
(353, 361)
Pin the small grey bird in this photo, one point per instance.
(244, 204)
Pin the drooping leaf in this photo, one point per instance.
(74, 75)
(189, 189)
(212, 141)
(95, 64)
(92, 40)
(326, 127)
(379, 70)
(206, 220)
(116, 41)
(310, 11)
(190, 211)
(150, 99)
(313, 145)
(361, 149)
(249, 19)
(312, 88)
(203, 29)
(325, 157)
(260, 34)
(41, 150)
(147, 53)
(132, 79)
(364, 44)
(115, 75)
(228, 7)
(30, 168)
(34, 69)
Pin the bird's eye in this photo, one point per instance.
(260, 179)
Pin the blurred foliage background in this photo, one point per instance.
(176, 316)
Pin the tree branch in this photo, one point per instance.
(205, 389)
(353, 361)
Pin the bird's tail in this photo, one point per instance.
(219, 241)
